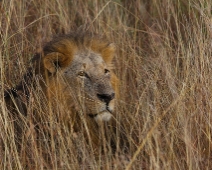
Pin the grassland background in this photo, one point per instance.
(164, 65)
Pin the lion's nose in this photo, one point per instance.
(106, 97)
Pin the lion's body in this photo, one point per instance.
(74, 74)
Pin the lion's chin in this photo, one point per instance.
(103, 116)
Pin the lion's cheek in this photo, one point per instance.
(111, 106)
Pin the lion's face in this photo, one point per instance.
(84, 62)
(89, 78)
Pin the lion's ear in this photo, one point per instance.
(54, 60)
(108, 53)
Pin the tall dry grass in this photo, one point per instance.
(163, 120)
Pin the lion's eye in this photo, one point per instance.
(82, 73)
(106, 71)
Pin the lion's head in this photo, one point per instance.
(83, 65)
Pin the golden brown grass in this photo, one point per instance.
(164, 64)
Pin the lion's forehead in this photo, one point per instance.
(89, 60)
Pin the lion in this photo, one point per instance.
(75, 71)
